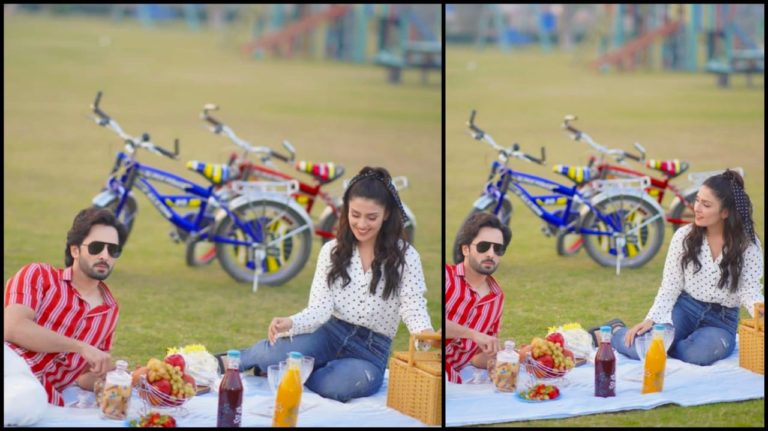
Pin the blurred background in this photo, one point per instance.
(684, 81)
(352, 84)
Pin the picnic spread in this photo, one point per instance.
(200, 410)
(685, 385)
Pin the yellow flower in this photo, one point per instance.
(189, 348)
(171, 350)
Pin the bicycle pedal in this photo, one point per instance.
(175, 236)
(547, 230)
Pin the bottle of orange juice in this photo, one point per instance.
(288, 395)
(655, 362)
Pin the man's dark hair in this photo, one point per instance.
(82, 224)
(471, 228)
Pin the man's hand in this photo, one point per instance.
(488, 344)
(277, 326)
(100, 361)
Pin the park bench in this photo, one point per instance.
(418, 55)
(748, 62)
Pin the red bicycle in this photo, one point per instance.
(307, 193)
(680, 209)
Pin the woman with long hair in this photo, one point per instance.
(366, 281)
(713, 266)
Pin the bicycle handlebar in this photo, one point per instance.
(131, 143)
(618, 153)
(266, 152)
(505, 153)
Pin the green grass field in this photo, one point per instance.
(156, 81)
(522, 97)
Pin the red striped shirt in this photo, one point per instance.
(465, 307)
(59, 307)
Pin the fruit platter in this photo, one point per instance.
(539, 392)
(547, 358)
(153, 420)
(164, 383)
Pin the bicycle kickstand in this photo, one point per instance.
(620, 243)
(258, 256)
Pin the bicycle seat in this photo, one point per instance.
(216, 173)
(578, 174)
(322, 172)
(672, 168)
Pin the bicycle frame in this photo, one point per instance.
(494, 189)
(141, 177)
(657, 187)
(306, 195)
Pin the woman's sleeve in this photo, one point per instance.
(320, 304)
(413, 304)
(749, 282)
(672, 281)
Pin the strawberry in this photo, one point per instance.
(176, 360)
(553, 392)
(547, 361)
(556, 338)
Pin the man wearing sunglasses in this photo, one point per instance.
(61, 321)
(473, 299)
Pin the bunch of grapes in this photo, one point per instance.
(541, 347)
(159, 370)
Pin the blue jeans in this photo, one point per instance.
(704, 332)
(350, 360)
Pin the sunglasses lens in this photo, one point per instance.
(96, 247)
(483, 246)
(498, 249)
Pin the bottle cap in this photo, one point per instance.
(120, 363)
(509, 345)
(295, 355)
(235, 354)
(658, 327)
(604, 329)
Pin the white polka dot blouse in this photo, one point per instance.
(354, 304)
(703, 285)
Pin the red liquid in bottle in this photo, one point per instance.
(230, 396)
(605, 368)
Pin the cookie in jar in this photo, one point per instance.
(115, 397)
(506, 368)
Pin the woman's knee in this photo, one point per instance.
(343, 384)
(705, 347)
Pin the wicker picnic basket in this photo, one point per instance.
(416, 382)
(752, 342)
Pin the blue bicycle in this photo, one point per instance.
(261, 234)
(618, 222)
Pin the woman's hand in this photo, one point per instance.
(639, 329)
(278, 326)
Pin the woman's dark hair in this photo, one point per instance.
(82, 224)
(738, 231)
(471, 228)
(389, 250)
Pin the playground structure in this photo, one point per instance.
(395, 36)
(716, 38)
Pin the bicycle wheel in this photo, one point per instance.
(629, 212)
(504, 215)
(681, 211)
(200, 252)
(266, 223)
(127, 215)
(330, 223)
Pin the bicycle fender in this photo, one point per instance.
(677, 201)
(409, 213)
(288, 200)
(102, 199)
(483, 201)
(609, 194)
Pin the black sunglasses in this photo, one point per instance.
(483, 246)
(96, 247)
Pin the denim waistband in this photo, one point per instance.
(359, 331)
(714, 306)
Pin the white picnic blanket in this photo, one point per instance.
(684, 384)
(315, 410)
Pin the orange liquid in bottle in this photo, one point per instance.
(655, 362)
(288, 396)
